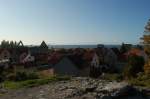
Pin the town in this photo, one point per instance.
(76, 62)
(31, 66)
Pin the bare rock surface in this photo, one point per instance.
(77, 88)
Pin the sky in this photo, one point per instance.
(73, 21)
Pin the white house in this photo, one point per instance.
(22, 57)
(104, 59)
(95, 61)
(28, 58)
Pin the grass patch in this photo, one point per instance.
(112, 77)
(1, 94)
(32, 83)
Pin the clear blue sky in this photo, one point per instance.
(73, 21)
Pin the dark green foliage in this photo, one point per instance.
(5, 73)
(125, 47)
(43, 45)
(95, 72)
(135, 65)
(1, 74)
(11, 44)
(20, 76)
(33, 75)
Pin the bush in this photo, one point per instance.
(33, 75)
(135, 65)
(142, 80)
(20, 76)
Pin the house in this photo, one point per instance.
(22, 57)
(76, 62)
(42, 49)
(5, 54)
(104, 60)
(17, 54)
(95, 61)
(40, 53)
(107, 57)
(117, 52)
(66, 67)
(28, 58)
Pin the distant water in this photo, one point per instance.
(81, 46)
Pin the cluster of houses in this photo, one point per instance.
(23, 55)
(77, 62)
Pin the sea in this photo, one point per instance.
(81, 46)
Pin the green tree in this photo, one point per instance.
(4, 44)
(125, 47)
(11, 44)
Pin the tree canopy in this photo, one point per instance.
(11, 44)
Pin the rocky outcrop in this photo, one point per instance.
(80, 88)
(87, 88)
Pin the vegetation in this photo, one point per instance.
(146, 42)
(33, 82)
(20, 76)
(112, 77)
(147, 68)
(142, 80)
(125, 47)
(11, 44)
(135, 65)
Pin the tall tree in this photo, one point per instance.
(146, 38)
(146, 43)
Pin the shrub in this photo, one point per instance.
(135, 65)
(142, 80)
(33, 75)
(20, 76)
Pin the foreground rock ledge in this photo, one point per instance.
(79, 88)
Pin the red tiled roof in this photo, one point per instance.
(134, 51)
